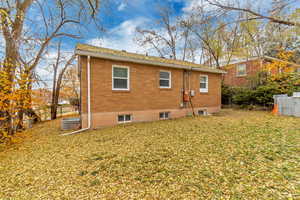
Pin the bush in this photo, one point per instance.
(243, 96)
(227, 94)
(287, 83)
(262, 95)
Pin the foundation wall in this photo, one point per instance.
(111, 118)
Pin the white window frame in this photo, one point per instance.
(237, 70)
(203, 90)
(128, 77)
(124, 122)
(170, 79)
(164, 115)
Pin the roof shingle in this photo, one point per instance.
(80, 48)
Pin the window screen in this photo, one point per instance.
(164, 79)
(120, 78)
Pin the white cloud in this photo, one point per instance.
(121, 37)
(191, 5)
(122, 6)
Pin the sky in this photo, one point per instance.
(120, 18)
(123, 17)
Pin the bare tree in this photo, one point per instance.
(58, 75)
(217, 39)
(71, 82)
(231, 7)
(58, 22)
(164, 40)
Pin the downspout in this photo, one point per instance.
(190, 96)
(88, 100)
(183, 89)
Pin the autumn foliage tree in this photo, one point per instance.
(18, 67)
(282, 64)
(15, 96)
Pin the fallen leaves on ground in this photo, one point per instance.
(233, 155)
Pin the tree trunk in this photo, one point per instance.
(31, 114)
(57, 82)
(53, 101)
(20, 118)
(53, 111)
(9, 69)
(55, 95)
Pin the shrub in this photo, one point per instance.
(287, 82)
(262, 95)
(243, 96)
(227, 94)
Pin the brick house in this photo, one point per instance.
(239, 71)
(119, 87)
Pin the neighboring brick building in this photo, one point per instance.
(240, 71)
(128, 87)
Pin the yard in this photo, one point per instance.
(232, 155)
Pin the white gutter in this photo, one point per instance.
(144, 61)
(89, 100)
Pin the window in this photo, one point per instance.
(202, 112)
(124, 118)
(241, 70)
(165, 79)
(120, 78)
(203, 83)
(164, 115)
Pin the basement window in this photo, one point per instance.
(165, 79)
(164, 115)
(120, 77)
(202, 112)
(124, 118)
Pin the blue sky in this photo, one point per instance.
(120, 18)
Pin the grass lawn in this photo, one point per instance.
(232, 155)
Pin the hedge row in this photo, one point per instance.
(261, 94)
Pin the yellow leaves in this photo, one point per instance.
(3, 13)
(15, 95)
(277, 67)
(4, 17)
(235, 155)
(285, 55)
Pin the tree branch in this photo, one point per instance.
(272, 19)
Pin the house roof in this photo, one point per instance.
(240, 60)
(89, 50)
(277, 59)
